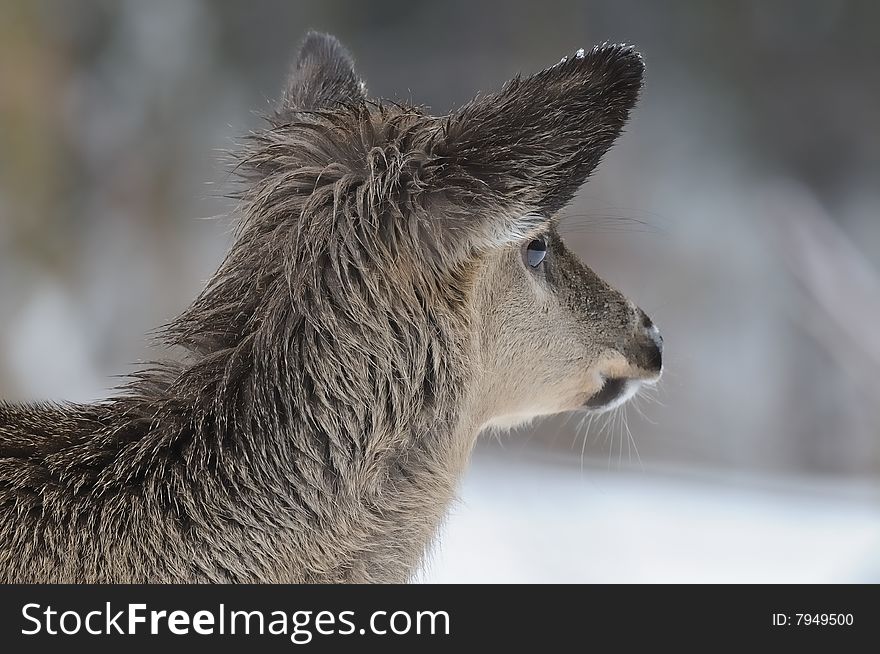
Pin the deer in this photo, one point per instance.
(396, 285)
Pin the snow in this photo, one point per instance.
(519, 521)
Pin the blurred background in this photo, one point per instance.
(741, 210)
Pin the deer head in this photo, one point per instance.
(471, 200)
(415, 261)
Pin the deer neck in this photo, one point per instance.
(350, 438)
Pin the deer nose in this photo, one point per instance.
(648, 351)
(655, 350)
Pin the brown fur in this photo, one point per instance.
(374, 313)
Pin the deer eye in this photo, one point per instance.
(534, 252)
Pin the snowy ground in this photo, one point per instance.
(522, 521)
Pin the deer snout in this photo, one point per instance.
(646, 350)
(641, 362)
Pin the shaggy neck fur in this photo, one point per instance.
(314, 430)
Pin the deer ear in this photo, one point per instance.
(323, 77)
(534, 143)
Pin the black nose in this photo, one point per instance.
(654, 352)
(648, 350)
